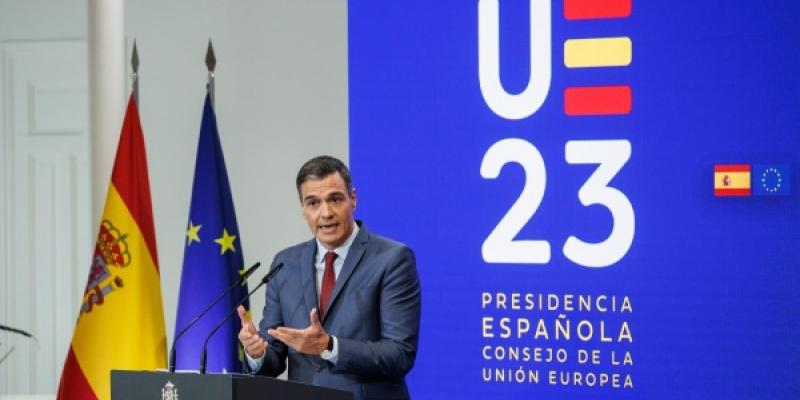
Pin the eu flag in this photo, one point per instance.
(771, 180)
(212, 260)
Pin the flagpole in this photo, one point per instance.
(135, 68)
(211, 63)
(212, 210)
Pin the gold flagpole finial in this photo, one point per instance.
(211, 60)
(135, 59)
(135, 67)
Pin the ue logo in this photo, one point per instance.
(595, 52)
(501, 246)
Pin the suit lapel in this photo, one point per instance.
(354, 256)
(309, 274)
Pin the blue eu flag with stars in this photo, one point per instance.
(771, 180)
(212, 260)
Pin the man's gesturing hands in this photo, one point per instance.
(252, 342)
(311, 340)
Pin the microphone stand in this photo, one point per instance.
(206, 310)
(19, 332)
(11, 350)
(274, 270)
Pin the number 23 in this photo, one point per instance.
(611, 155)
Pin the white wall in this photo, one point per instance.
(42, 19)
(281, 98)
(44, 218)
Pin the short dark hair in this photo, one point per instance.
(319, 168)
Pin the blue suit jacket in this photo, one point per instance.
(374, 313)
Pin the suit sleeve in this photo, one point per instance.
(275, 356)
(400, 303)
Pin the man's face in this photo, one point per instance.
(328, 209)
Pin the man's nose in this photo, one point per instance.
(325, 210)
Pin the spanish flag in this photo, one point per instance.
(121, 320)
(732, 180)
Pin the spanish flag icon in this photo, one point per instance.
(732, 180)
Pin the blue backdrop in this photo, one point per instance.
(711, 283)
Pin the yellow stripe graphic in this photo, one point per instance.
(127, 330)
(598, 52)
(736, 180)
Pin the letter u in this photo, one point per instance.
(504, 104)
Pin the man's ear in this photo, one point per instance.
(353, 196)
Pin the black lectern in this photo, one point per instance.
(145, 385)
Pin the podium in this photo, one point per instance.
(146, 385)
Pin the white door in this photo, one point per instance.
(45, 233)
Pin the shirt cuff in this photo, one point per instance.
(254, 363)
(333, 355)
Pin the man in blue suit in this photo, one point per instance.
(345, 309)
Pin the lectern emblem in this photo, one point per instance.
(169, 392)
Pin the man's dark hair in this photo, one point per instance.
(319, 168)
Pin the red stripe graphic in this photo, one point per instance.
(595, 9)
(597, 100)
(731, 192)
(129, 176)
(732, 168)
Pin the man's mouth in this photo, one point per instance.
(328, 227)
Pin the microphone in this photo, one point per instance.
(15, 330)
(206, 310)
(274, 270)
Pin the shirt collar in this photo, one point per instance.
(341, 251)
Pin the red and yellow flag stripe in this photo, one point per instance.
(732, 180)
(121, 321)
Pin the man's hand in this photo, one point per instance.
(311, 340)
(253, 343)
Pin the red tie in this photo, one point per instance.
(328, 281)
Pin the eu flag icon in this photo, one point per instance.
(771, 180)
